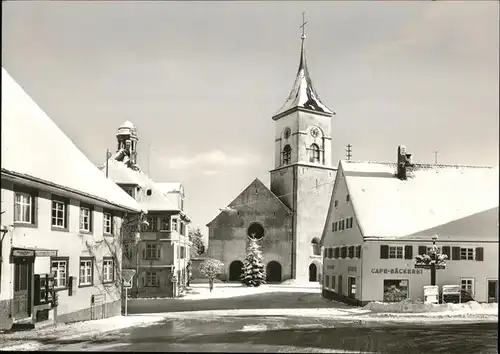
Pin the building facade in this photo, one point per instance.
(61, 234)
(161, 254)
(290, 215)
(383, 215)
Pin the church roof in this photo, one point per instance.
(303, 96)
(34, 147)
(435, 195)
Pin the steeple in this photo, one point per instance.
(303, 96)
(127, 139)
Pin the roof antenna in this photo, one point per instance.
(436, 157)
(348, 152)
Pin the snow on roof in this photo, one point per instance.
(171, 187)
(303, 94)
(156, 201)
(386, 206)
(34, 146)
(128, 124)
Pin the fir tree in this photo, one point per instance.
(253, 270)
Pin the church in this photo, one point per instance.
(288, 217)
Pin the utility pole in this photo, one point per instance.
(108, 155)
(348, 151)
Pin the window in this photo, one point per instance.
(335, 226)
(468, 285)
(129, 191)
(86, 271)
(343, 252)
(183, 252)
(316, 247)
(59, 214)
(336, 203)
(314, 153)
(395, 252)
(59, 269)
(336, 252)
(347, 198)
(395, 290)
(152, 278)
(351, 252)
(152, 251)
(287, 154)
(85, 219)
(164, 224)
(327, 281)
(334, 277)
(467, 254)
(107, 270)
(429, 248)
(330, 252)
(152, 224)
(23, 208)
(358, 252)
(183, 228)
(108, 223)
(174, 225)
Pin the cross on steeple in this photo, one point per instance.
(304, 22)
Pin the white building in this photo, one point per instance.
(61, 222)
(383, 214)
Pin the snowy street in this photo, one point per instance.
(272, 318)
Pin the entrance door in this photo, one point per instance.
(492, 290)
(351, 287)
(22, 289)
(273, 271)
(313, 272)
(235, 270)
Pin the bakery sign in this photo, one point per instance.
(411, 271)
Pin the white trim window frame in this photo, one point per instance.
(396, 252)
(107, 270)
(153, 224)
(107, 219)
(152, 251)
(466, 253)
(164, 223)
(23, 208)
(85, 219)
(468, 284)
(86, 266)
(59, 214)
(60, 273)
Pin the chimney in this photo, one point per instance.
(404, 163)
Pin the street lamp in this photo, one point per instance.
(432, 260)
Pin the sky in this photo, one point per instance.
(201, 81)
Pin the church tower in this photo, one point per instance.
(127, 139)
(303, 175)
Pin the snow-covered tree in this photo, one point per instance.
(210, 268)
(254, 273)
(198, 247)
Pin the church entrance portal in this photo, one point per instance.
(273, 271)
(313, 272)
(235, 270)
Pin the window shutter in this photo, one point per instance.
(422, 250)
(455, 253)
(324, 252)
(358, 252)
(384, 252)
(159, 252)
(157, 280)
(143, 253)
(330, 252)
(479, 253)
(447, 251)
(408, 252)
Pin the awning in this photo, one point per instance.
(27, 255)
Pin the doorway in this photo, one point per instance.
(351, 287)
(235, 269)
(492, 291)
(273, 272)
(22, 290)
(313, 272)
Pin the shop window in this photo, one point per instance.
(395, 290)
(351, 287)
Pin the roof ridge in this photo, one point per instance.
(421, 164)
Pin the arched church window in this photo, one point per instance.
(316, 247)
(314, 153)
(287, 154)
(255, 231)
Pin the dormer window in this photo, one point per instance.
(347, 198)
(287, 155)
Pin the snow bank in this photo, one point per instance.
(72, 331)
(407, 306)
